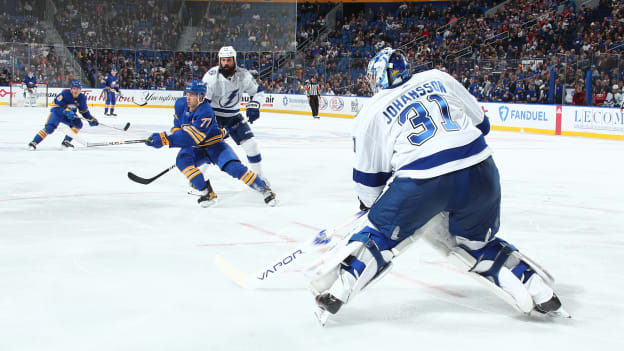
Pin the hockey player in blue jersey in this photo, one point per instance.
(64, 110)
(197, 134)
(423, 168)
(30, 90)
(111, 88)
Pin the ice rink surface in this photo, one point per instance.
(92, 261)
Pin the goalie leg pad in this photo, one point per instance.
(370, 255)
(510, 277)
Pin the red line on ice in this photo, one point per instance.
(265, 231)
(307, 226)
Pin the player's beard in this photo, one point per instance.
(227, 72)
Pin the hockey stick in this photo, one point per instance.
(268, 274)
(117, 128)
(132, 100)
(135, 178)
(125, 128)
(122, 142)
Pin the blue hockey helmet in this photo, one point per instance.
(387, 69)
(113, 69)
(76, 84)
(196, 87)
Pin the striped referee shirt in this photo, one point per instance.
(312, 90)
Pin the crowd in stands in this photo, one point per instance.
(23, 48)
(247, 26)
(528, 51)
(119, 24)
(518, 48)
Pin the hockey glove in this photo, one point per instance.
(93, 122)
(157, 140)
(70, 114)
(253, 111)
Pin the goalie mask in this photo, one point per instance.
(229, 69)
(387, 69)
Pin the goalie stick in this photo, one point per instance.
(135, 178)
(268, 274)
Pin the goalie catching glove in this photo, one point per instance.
(253, 111)
(157, 140)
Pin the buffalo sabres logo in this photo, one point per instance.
(230, 101)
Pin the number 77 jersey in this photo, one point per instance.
(421, 129)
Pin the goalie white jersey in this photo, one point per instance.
(224, 94)
(421, 129)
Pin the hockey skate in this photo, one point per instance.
(207, 198)
(327, 305)
(32, 146)
(269, 197)
(112, 114)
(552, 308)
(67, 145)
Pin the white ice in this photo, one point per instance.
(92, 261)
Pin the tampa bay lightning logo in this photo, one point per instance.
(503, 112)
(229, 101)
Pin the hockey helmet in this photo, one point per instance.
(76, 84)
(227, 51)
(615, 87)
(387, 69)
(196, 87)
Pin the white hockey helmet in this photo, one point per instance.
(615, 87)
(387, 69)
(227, 51)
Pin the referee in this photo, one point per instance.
(312, 91)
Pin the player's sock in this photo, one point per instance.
(195, 176)
(106, 111)
(237, 170)
(40, 136)
(112, 112)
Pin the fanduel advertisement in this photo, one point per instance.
(521, 115)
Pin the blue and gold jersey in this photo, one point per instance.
(30, 81)
(66, 101)
(111, 82)
(196, 128)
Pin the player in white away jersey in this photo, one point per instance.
(423, 168)
(225, 85)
